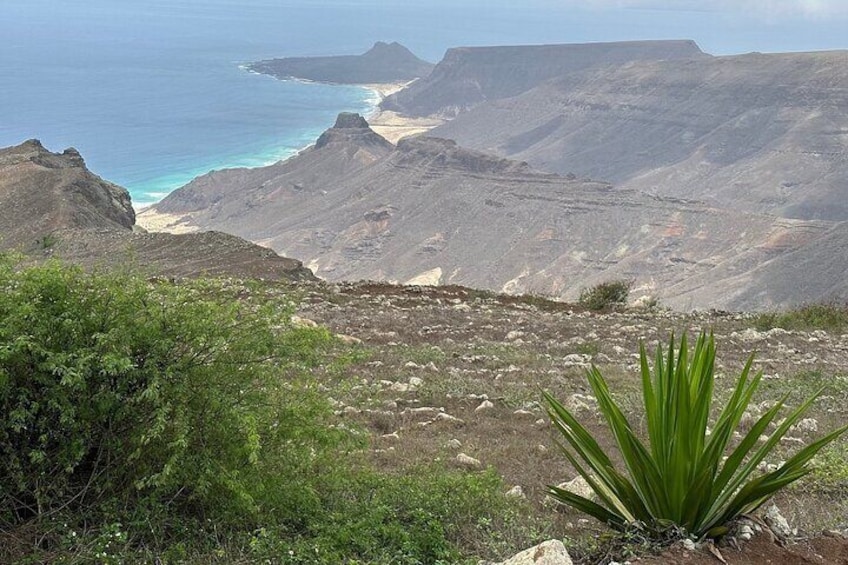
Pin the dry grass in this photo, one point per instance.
(467, 347)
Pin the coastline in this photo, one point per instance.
(391, 125)
(388, 124)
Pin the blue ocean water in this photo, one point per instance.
(151, 92)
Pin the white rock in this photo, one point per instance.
(445, 417)
(579, 486)
(688, 544)
(299, 322)
(348, 339)
(807, 425)
(745, 532)
(516, 492)
(485, 406)
(455, 444)
(551, 552)
(778, 523)
(468, 462)
(415, 382)
(581, 403)
(513, 335)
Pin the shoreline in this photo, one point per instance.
(390, 125)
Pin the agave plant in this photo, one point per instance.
(687, 476)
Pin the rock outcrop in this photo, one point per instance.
(383, 63)
(51, 205)
(41, 192)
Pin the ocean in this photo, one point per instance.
(152, 94)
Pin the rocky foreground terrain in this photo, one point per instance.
(455, 374)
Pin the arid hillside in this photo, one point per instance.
(764, 133)
(51, 205)
(431, 212)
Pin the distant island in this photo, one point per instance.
(383, 63)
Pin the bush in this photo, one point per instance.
(682, 478)
(426, 515)
(829, 317)
(606, 295)
(150, 421)
(118, 395)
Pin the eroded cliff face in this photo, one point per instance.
(468, 76)
(760, 133)
(51, 205)
(433, 212)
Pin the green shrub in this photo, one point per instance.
(117, 395)
(426, 515)
(828, 317)
(681, 479)
(606, 295)
(151, 421)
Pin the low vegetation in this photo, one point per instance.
(144, 421)
(606, 295)
(693, 476)
(192, 422)
(828, 317)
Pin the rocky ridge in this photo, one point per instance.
(764, 133)
(51, 205)
(468, 76)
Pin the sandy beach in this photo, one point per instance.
(394, 126)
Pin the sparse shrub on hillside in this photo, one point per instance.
(681, 477)
(829, 317)
(606, 295)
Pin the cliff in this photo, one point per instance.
(468, 76)
(765, 133)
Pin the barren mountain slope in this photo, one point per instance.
(761, 133)
(41, 192)
(51, 205)
(432, 212)
(467, 76)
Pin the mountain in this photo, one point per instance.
(51, 205)
(764, 133)
(468, 76)
(432, 212)
(383, 63)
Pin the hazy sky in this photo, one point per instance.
(719, 26)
